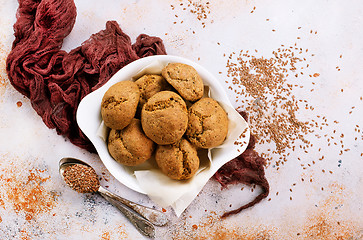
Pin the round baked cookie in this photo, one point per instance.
(164, 117)
(185, 79)
(178, 161)
(208, 124)
(150, 84)
(130, 146)
(119, 104)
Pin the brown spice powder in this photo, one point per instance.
(81, 178)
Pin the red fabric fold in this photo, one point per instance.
(56, 81)
(248, 168)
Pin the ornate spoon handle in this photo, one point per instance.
(154, 216)
(141, 224)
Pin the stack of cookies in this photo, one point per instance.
(166, 116)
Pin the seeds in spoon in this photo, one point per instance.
(81, 178)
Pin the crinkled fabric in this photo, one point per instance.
(248, 168)
(56, 81)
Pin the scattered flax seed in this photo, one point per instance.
(265, 88)
(316, 74)
(264, 91)
(198, 8)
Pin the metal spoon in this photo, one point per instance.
(130, 209)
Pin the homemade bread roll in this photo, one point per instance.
(130, 146)
(119, 104)
(178, 161)
(208, 123)
(185, 79)
(164, 117)
(150, 84)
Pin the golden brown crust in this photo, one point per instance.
(119, 104)
(150, 84)
(130, 146)
(164, 117)
(185, 79)
(178, 161)
(208, 124)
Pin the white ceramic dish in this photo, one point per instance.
(89, 120)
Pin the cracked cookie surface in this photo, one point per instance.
(164, 117)
(185, 79)
(149, 85)
(119, 104)
(178, 161)
(130, 146)
(208, 124)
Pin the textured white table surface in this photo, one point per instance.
(309, 199)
